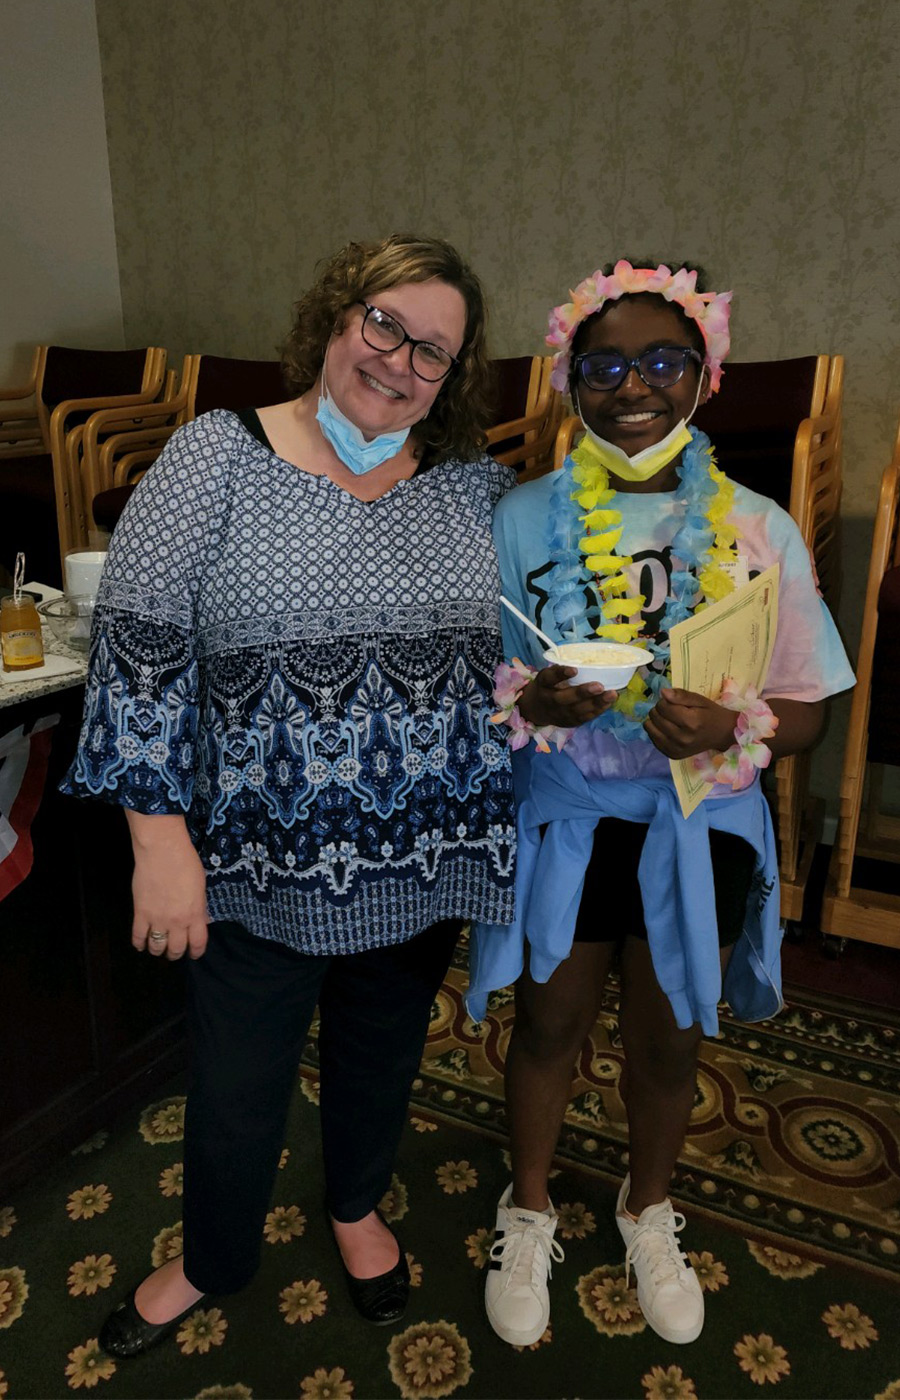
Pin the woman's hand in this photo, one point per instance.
(169, 887)
(549, 699)
(683, 723)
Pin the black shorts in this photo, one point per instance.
(611, 884)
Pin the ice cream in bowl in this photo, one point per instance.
(612, 664)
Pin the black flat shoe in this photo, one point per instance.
(125, 1333)
(382, 1299)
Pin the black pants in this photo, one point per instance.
(250, 1003)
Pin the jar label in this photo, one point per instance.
(22, 644)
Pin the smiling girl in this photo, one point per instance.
(635, 532)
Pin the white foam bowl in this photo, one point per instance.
(612, 664)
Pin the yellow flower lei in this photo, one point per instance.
(603, 530)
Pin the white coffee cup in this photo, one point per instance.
(83, 569)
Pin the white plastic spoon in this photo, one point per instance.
(528, 623)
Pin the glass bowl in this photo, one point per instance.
(69, 620)
(612, 664)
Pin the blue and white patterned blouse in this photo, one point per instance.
(308, 678)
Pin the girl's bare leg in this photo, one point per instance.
(659, 1082)
(552, 1022)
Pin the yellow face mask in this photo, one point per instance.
(643, 465)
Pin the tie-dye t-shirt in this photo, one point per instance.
(808, 663)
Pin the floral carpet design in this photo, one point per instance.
(789, 1183)
(795, 1130)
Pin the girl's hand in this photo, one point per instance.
(549, 699)
(683, 723)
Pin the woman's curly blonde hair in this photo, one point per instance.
(461, 412)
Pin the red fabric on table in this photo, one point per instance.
(23, 773)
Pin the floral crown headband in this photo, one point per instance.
(709, 309)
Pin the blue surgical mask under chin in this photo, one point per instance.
(347, 440)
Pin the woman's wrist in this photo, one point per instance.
(165, 831)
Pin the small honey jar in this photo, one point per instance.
(20, 627)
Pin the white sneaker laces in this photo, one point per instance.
(527, 1252)
(654, 1243)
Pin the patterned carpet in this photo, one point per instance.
(795, 1128)
(789, 1181)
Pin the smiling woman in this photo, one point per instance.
(361, 274)
(373, 369)
(290, 694)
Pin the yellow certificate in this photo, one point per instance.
(734, 637)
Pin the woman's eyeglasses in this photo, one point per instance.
(384, 333)
(659, 368)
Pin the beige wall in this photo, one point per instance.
(759, 137)
(248, 138)
(59, 274)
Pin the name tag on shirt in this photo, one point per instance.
(738, 570)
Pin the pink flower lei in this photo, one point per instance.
(709, 309)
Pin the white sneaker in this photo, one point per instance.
(668, 1290)
(515, 1292)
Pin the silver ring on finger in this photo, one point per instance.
(157, 937)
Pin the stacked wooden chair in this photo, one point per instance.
(776, 428)
(41, 426)
(779, 433)
(862, 895)
(528, 412)
(119, 446)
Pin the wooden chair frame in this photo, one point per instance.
(816, 483)
(65, 448)
(848, 910)
(132, 465)
(117, 442)
(120, 444)
(25, 432)
(76, 461)
(544, 412)
(113, 430)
